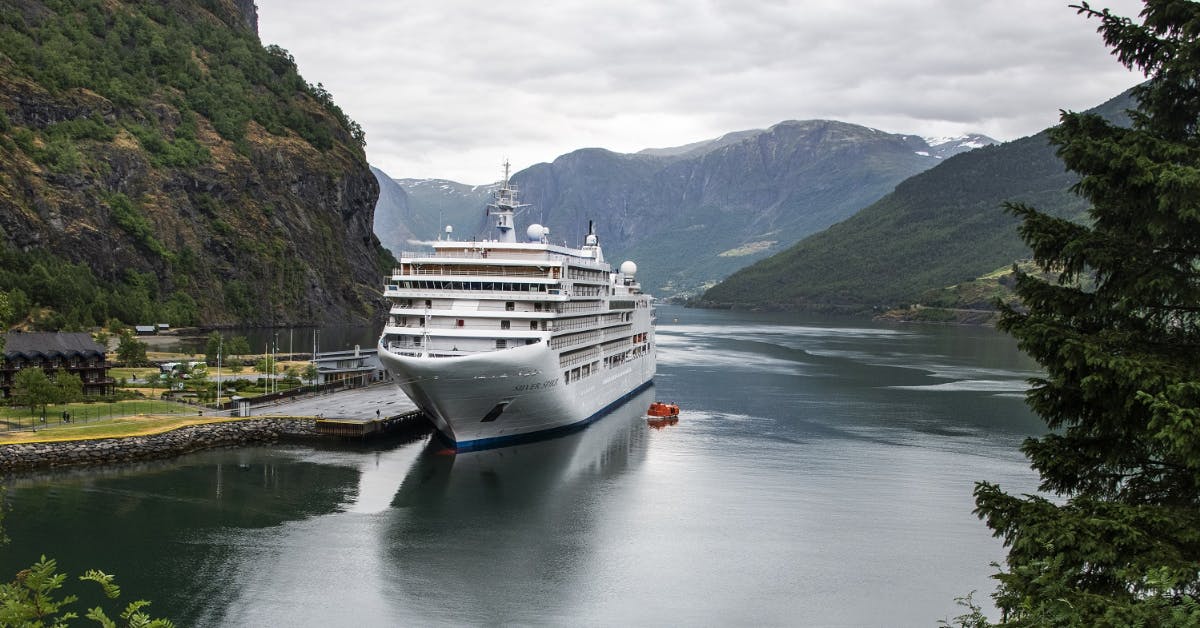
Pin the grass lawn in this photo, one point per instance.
(12, 417)
(140, 372)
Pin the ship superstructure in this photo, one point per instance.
(497, 340)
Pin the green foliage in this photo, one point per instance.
(173, 72)
(31, 388)
(972, 618)
(240, 298)
(37, 279)
(310, 372)
(385, 260)
(213, 346)
(183, 152)
(69, 387)
(130, 218)
(6, 311)
(131, 351)
(32, 600)
(129, 57)
(1122, 385)
(238, 345)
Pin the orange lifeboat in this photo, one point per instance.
(659, 409)
(662, 414)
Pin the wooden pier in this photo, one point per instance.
(413, 423)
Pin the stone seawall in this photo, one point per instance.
(165, 445)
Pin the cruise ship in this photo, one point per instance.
(500, 341)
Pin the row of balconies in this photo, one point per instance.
(495, 289)
(16, 365)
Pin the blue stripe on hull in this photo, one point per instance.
(527, 437)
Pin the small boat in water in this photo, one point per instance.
(662, 414)
(660, 410)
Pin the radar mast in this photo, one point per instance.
(503, 208)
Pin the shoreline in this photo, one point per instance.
(168, 444)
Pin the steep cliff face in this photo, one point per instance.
(159, 151)
(249, 12)
(394, 218)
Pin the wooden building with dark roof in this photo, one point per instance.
(50, 351)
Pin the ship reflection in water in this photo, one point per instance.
(480, 535)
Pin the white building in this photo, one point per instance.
(358, 367)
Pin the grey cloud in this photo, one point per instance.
(448, 88)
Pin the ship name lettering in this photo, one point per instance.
(550, 383)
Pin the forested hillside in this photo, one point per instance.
(158, 164)
(939, 228)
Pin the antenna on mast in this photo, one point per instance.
(504, 206)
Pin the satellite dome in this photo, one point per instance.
(628, 268)
(536, 232)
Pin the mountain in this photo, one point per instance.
(701, 147)
(394, 216)
(941, 227)
(692, 215)
(943, 147)
(439, 202)
(158, 164)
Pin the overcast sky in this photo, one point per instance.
(450, 88)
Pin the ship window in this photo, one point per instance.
(459, 322)
(505, 325)
(428, 303)
(533, 324)
(501, 344)
(530, 341)
(509, 306)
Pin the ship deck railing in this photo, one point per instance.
(414, 350)
(399, 292)
(504, 255)
(563, 308)
(491, 325)
(512, 271)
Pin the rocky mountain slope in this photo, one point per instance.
(411, 211)
(690, 215)
(942, 227)
(157, 164)
(394, 216)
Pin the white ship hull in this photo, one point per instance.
(498, 341)
(461, 394)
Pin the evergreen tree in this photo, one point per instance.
(1119, 337)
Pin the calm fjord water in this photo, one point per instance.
(821, 474)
